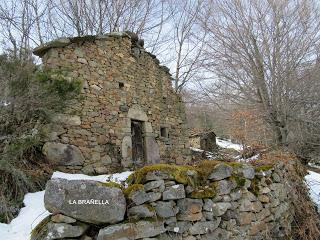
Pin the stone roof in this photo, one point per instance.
(62, 42)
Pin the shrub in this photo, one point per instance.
(28, 99)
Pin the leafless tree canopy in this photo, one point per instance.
(264, 53)
(170, 27)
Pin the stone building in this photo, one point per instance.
(204, 140)
(128, 114)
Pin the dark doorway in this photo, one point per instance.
(137, 143)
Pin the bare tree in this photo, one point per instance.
(187, 42)
(259, 50)
(28, 23)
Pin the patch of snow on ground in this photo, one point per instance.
(29, 216)
(209, 155)
(34, 211)
(313, 182)
(228, 144)
(253, 158)
(313, 165)
(196, 149)
(116, 177)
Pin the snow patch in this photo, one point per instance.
(228, 144)
(29, 216)
(116, 177)
(196, 149)
(313, 182)
(253, 158)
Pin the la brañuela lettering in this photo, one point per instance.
(89, 201)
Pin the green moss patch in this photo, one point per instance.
(181, 173)
(204, 192)
(132, 188)
(178, 172)
(206, 167)
(254, 187)
(238, 180)
(263, 168)
(196, 176)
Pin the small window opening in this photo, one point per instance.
(121, 85)
(164, 132)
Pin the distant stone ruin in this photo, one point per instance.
(128, 114)
(204, 140)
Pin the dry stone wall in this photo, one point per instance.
(213, 200)
(121, 83)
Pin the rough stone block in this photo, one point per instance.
(174, 192)
(62, 154)
(85, 200)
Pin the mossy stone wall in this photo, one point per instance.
(213, 200)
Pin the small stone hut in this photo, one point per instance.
(128, 115)
(203, 140)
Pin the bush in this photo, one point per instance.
(28, 99)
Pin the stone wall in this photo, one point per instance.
(213, 200)
(121, 82)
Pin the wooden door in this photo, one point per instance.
(137, 143)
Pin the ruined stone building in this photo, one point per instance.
(203, 140)
(128, 114)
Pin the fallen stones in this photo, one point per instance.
(85, 200)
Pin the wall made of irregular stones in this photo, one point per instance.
(121, 81)
(230, 201)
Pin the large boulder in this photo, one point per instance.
(88, 201)
(63, 154)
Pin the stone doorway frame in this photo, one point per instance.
(136, 113)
